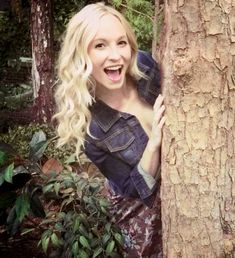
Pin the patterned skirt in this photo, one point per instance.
(140, 225)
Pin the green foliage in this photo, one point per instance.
(19, 195)
(82, 227)
(7, 173)
(20, 136)
(79, 224)
(140, 15)
(22, 206)
(63, 11)
(138, 12)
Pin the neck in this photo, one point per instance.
(119, 98)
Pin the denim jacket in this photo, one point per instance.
(119, 140)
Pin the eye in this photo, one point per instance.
(99, 45)
(122, 43)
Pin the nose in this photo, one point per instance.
(114, 53)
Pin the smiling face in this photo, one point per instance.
(110, 54)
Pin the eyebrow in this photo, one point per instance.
(103, 39)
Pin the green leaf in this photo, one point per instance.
(45, 243)
(39, 136)
(46, 233)
(55, 240)
(83, 230)
(83, 254)
(75, 248)
(59, 227)
(8, 173)
(37, 152)
(97, 252)
(95, 242)
(57, 188)
(103, 210)
(47, 188)
(71, 159)
(108, 226)
(105, 238)
(103, 202)
(3, 157)
(119, 238)
(83, 218)
(84, 242)
(22, 206)
(61, 215)
(37, 145)
(76, 224)
(110, 247)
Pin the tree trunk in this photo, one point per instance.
(157, 20)
(43, 57)
(155, 28)
(198, 152)
(42, 69)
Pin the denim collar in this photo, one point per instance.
(104, 115)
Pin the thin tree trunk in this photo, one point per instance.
(43, 57)
(155, 28)
(198, 152)
(42, 68)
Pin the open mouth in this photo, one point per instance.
(114, 73)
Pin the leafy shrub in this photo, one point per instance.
(19, 194)
(74, 218)
(82, 227)
(20, 136)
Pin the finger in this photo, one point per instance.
(162, 122)
(158, 102)
(159, 113)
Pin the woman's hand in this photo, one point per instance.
(159, 119)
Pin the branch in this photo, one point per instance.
(19, 97)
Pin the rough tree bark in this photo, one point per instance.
(155, 28)
(43, 57)
(158, 8)
(198, 152)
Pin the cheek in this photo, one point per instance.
(97, 60)
(128, 54)
(96, 71)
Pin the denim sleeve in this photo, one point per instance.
(125, 179)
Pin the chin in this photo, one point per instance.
(112, 85)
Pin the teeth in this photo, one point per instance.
(114, 68)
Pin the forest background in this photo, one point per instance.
(49, 204)
(45, 195)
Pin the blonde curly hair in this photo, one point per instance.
(75, 90)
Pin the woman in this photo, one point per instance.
(110, 106)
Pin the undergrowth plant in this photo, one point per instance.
(74, 215)
(82, 226)
(19, 193)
